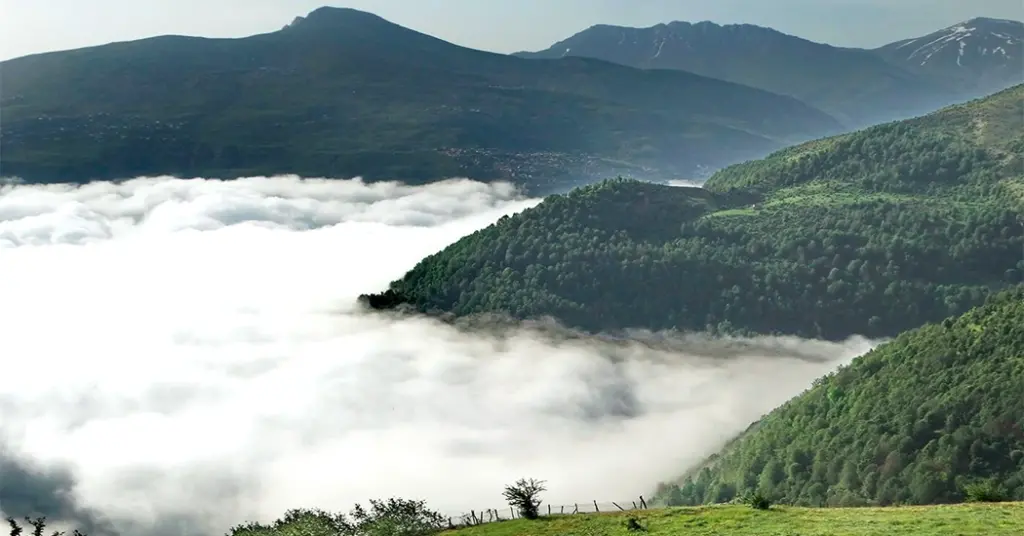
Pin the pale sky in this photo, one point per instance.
(30, 26)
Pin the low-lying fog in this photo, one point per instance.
(180, 356)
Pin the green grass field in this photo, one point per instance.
(952, 520)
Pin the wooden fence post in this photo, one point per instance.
(495, 515)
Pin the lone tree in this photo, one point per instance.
(523, 496)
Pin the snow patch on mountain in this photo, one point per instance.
(970, 40)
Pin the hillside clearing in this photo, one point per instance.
(945, 520)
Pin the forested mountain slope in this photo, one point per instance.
(941, 153)
(916, 420)
(342, 93)
(870, 233)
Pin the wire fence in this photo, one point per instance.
(506, 513)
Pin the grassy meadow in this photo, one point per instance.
(972, 519)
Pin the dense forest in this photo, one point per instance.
(919, 420)
(871, 233)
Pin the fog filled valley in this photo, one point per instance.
(317, 271)
(183, 355)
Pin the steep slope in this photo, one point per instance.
(342, 92)
(854, 85)
(914, 421)
(982, 55)
(871, 233)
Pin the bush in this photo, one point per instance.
(633, 525)
(523, 496)
(395, 516)
(985, 491)
(757, 501)
(384, 518)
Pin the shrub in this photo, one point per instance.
(757, 501)
(383, 518)
(633, 525)
(985, 491)
(524, 496)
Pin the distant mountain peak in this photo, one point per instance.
(331, 11)
(965, 43)
(988, 20)
(856, 86)
(678, 25)
(978, 55)
(327, 16)
(651, 46)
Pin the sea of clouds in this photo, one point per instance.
(181, 356)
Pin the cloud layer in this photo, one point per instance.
(180, 356)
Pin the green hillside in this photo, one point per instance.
(343, 92)
(870, 233)
(917, 420)
(990, 520)
(944, 152)
(1004, 519)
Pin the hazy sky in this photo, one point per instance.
(29, 26)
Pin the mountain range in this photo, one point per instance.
(860, 87)
(342, 92)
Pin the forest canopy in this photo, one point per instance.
(870, 233)
(916, 421)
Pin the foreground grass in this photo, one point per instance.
(946, 520)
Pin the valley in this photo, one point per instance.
(761, 284)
